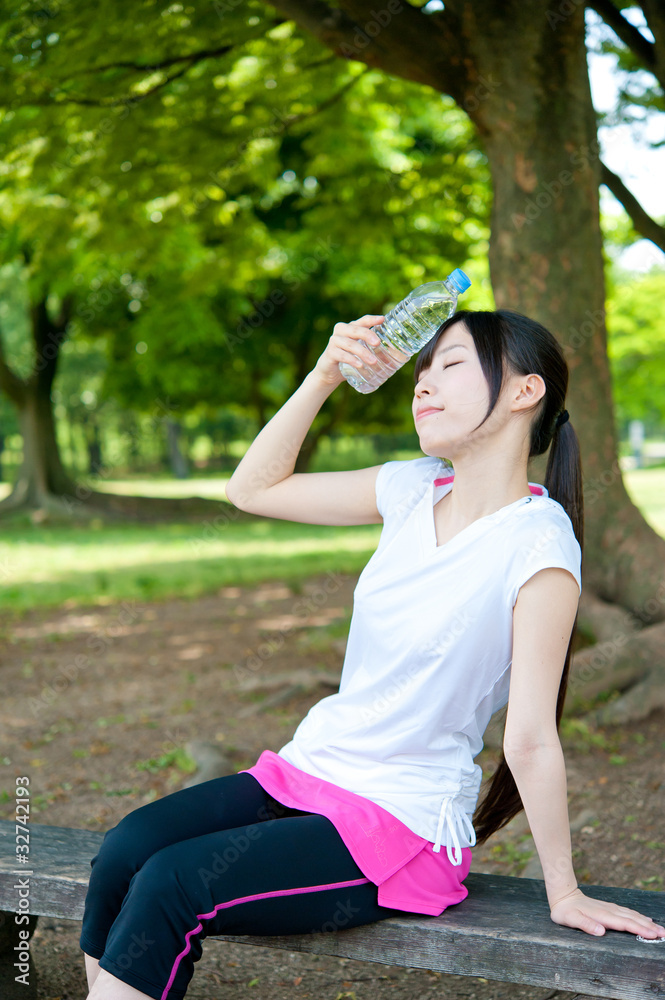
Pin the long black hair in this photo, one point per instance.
(508, 341)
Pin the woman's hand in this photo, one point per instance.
(344, 345)
(594, 915)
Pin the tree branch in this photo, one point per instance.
(329, 101)
(643, 223)
(192, 57)
(654, 15)
(102, 102)
(152, 67)
(189, 61)
(631, 36)
(442, 62)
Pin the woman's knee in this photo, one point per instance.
(167, 880)
(123, 846)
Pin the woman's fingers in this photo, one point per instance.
(369, 320)
(594, 916)
(356, 331)
(354, 347)
(348, 344)
(632, 920)
(640, 923)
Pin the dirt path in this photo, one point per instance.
(94, 692)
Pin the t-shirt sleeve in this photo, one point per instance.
(550, 543)
(400, 485)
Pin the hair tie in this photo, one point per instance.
(561, 419)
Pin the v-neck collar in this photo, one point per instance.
(479, 521)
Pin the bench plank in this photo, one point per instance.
(60, 858)
(501, 931)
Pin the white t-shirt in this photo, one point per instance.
(429, 653)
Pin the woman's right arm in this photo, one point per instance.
(264, 482)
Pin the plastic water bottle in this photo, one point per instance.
(406, 329)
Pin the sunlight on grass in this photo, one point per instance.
(201, 486)
(646, 488)
(194, 487)
(104, 563)
(55, 565)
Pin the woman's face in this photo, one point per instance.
(452, 396)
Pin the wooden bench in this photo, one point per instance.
(501, 931)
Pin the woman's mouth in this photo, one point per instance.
(426, 411)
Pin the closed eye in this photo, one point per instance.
(451, 364)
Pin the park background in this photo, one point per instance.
(191, 197)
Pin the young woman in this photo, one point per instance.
(469, 602)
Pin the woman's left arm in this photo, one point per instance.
(543, 618)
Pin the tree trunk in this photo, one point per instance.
(41, 471)
(177, 460)
(521, 75)
(538, 128)
(43, 485)
(93, 441)
(308, 448)
(42, 482)
(539, 131)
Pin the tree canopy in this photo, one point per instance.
(212, 211)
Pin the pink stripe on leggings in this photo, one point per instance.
(249, 899)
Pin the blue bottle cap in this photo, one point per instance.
(458, 280)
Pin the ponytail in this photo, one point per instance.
(563, 482)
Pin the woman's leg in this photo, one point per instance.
(107, 987)
(283, 876)
(220, 804)
(92, 969)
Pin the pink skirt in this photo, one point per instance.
(409, 875)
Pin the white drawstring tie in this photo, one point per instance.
(457, 819)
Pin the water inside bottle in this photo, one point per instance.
(405, 330)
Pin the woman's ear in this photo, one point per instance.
(529, 389)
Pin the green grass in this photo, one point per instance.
(103, 563)
(48, 566)
(646, 488)
(196, 486)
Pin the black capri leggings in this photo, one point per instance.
(221, 857)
